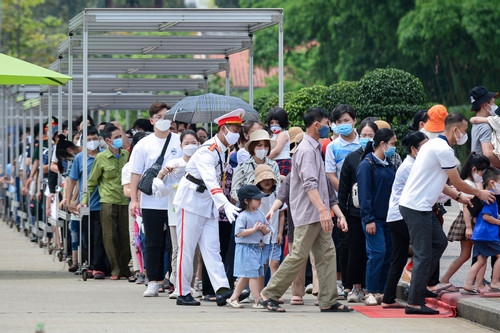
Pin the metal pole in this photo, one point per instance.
(70, 88)
(84, 90)
(138, 114)
(116, 115)
(280, 61)
(107, 116)
(250, 72)
(40, 219)
(127, 119)
(228, 82)
(99, 117)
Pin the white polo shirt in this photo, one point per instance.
(428, 175)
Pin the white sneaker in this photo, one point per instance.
(152, 290)
(309, 288)
(355, 296)
(370, 299)
(173, 295)
(195, 293)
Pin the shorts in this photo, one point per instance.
(486, 248)
(248, 261)
(270, 252)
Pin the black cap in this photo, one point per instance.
(480, 95)
(250, 192)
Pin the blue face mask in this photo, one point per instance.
(344, 129)
(390, 152)
(363, 142)
(117, 143)
(323, 132)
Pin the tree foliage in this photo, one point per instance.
(450, 45)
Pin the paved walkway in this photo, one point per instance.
(36, 289)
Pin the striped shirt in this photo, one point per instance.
(337, 151)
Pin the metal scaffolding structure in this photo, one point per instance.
(111, 55)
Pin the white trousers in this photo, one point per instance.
(194, 229)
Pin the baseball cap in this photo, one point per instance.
(250, 192)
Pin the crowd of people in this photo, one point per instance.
(241, 216)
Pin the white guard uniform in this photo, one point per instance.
(198, 216)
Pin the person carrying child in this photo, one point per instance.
(250, 228)
(486, 238)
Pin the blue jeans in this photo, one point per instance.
(378, 251)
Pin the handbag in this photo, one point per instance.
(355, 192)
(146, 183)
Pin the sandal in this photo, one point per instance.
(209, 298)
(161, 288)
(395, 305)
(338, 307)
(258, 306)
(234, 303)
(133, 278)
(474, 291)
(296, 300)
(271, 305)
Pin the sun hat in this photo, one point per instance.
(259, 135)
(293, 131)
(437, 114)
(298, 138)
(262, 172)
(480, 95)
(250, 192)
(382, 124)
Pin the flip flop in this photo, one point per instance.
(493, 290)
(442, 287)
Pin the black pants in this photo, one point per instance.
(98, 252)
(356, 263)
(225, 235)
(428, 242)
(400, 242)
(155, 229)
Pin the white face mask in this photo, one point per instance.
(261, 153)
(163, 125)
(231, 137)
(190, 149)
(462, 139)
(477, 178)
(496, 188)
(493, 108)
(92, 145)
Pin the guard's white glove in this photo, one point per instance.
(231, 211)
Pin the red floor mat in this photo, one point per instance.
(445, 311)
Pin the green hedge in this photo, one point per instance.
(390, 94)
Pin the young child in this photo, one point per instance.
(271, 252)
(249, 230)
(461, 228)
(486, 238)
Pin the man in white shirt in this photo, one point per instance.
(433, 166)
(154, 211)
